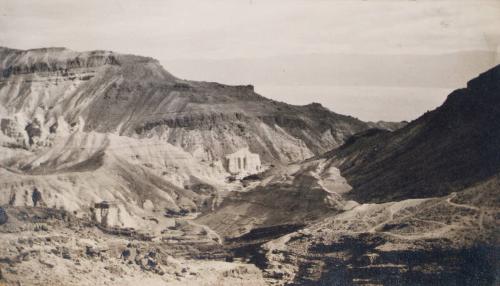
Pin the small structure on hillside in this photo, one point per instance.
(242, 162)
(101, 216)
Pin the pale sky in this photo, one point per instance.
(305, 40)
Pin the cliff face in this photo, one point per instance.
(134, 96)
(51, 60)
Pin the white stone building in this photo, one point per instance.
(242, 162)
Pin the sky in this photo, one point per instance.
(373, 59)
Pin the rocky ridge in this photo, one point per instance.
(456, 143)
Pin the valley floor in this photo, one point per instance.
(451, 240)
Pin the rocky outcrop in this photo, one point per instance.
(31, 255)
(51, 60)
(33, 129)
(14, 135)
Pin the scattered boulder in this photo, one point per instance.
(126, 254)
(33, 130)
(65, 253)
(53, 127)
(92, 251)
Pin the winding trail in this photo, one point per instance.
(480, 210)
(445, 228)
(454, 195)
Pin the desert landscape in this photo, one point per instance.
(210, 151)
(115, 172)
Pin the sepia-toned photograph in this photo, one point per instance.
(249, 142)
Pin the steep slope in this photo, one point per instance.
(134, 96)
(143, 178)
(293, 196)
(444, 150)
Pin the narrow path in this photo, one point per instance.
(437, 233)
(480, 210)
(454, 195)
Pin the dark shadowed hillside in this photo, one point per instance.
(444, 150)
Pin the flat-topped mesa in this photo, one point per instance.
(242, 162)
(61, 60)
(246, 88)
(53, 60)
(241, 92)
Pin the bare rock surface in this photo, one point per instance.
(74, 252)
(130, 95)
